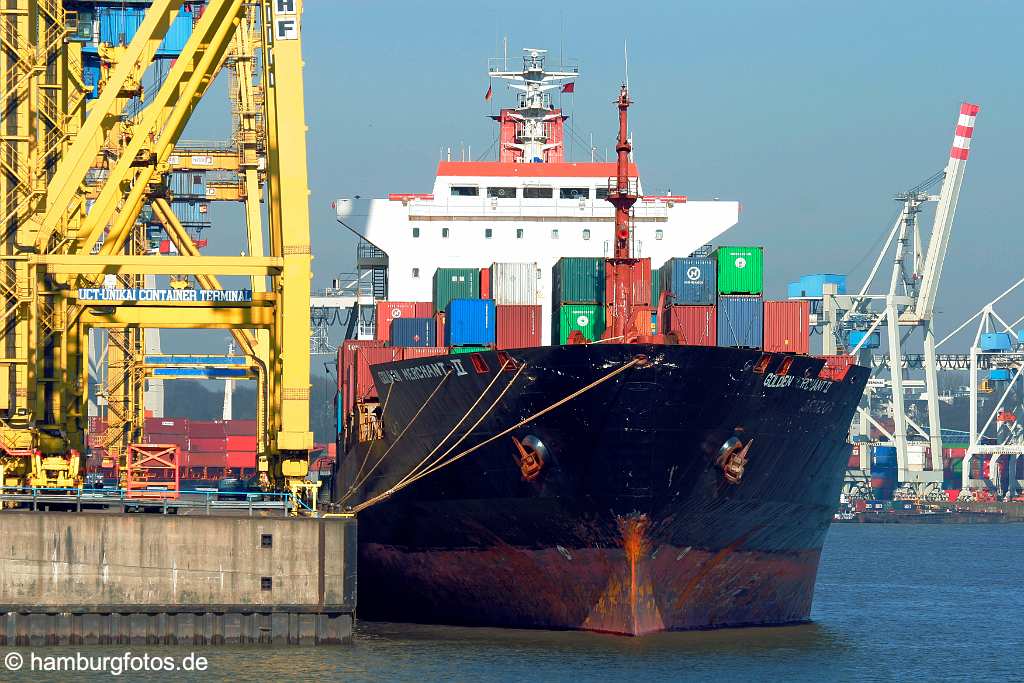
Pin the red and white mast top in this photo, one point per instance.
(532, 132)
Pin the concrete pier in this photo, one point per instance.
(78, 578)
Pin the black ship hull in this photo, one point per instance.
(692, 490)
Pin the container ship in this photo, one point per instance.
(671, 459)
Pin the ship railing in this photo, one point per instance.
(632, 186)
(197, 501)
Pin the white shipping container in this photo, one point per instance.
(916, 453)
(515, 283)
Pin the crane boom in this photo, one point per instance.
(939, 241)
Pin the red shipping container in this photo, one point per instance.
(485, 283)
(786, 326)
(179, 440)
(166, 425)
(836, 367)
(238, 460)
(423, 351)
(200, 459)
(424, 309)
(206, 430)
(346, 368)
(236, 442)
(518, 326)
(694, 325)
(636, 285)
(208, 445)
(365, 357)
(439, 322)
(388, 311)
(854, 461)
(241, 427)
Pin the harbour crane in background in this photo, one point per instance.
(996, 365)
(852, 324)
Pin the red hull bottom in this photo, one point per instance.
(629, 591)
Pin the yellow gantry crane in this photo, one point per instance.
(59, 258)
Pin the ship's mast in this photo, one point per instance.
(622, 196)
(619, 269)
(534, 139)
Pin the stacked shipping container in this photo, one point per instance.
(578, 295)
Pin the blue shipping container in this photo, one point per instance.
(793, 290)
(191, 213)
(413, 332)
(1000, 374)
(469, 322)
(692, 281)
(872, 342)
(118, 25)
(813, 285)
(996, 341)
(187, 183)
(740, 321)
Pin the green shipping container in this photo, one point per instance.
(577, 280)
(587, 318)
(740, 270)
(455, 283)
(655, 288)
(468, 349)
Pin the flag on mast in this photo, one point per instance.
(569, 87)
(489, 93)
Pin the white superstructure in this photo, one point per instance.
(529, 206)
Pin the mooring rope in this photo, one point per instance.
(469, 431)
(540, 413)
(359, 483)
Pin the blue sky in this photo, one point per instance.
(812, 114)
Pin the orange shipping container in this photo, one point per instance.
(388, 311)
(694, 325)
(786, 326)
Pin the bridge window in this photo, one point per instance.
(415, 232)
(538, 192)
(415, 272)
(574, 193)
(554, 233)
(659, 234)
(488, 233)
(586, 233)
(601, 193)
(501, 192)
(465, 191)
(519, 233)
(444, 233)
